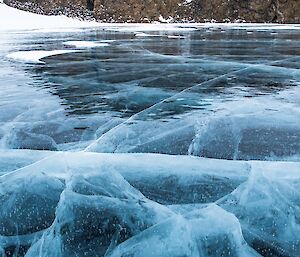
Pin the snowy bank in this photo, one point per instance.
(12, 19)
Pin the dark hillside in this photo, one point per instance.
(279, 11)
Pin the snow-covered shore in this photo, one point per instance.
(12, 19)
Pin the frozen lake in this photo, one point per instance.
(70, 99)
(161, 92)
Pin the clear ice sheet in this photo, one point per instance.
(152, 145)
(267, 206)
(90, 204)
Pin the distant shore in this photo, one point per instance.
(171, 11)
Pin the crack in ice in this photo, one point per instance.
(208, 82)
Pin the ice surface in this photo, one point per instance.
(15, 159)
(222, 93)
(37, 120)
(158, 177)
(27, 204)
(266, 130)
(250, 133)
(95, 206)
(95, 213)
(97, 89)
(199, 233)
(90, 186)
(267, 205)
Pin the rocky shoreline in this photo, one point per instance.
(275, 11)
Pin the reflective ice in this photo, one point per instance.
(122, 142)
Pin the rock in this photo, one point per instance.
(136, 10)
(289, 11)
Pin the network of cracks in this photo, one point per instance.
(161, 144)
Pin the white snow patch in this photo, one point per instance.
(176, 37)
(142, 34)
(85, 44)
(14, 19)
(163, 20)
(35, 56)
